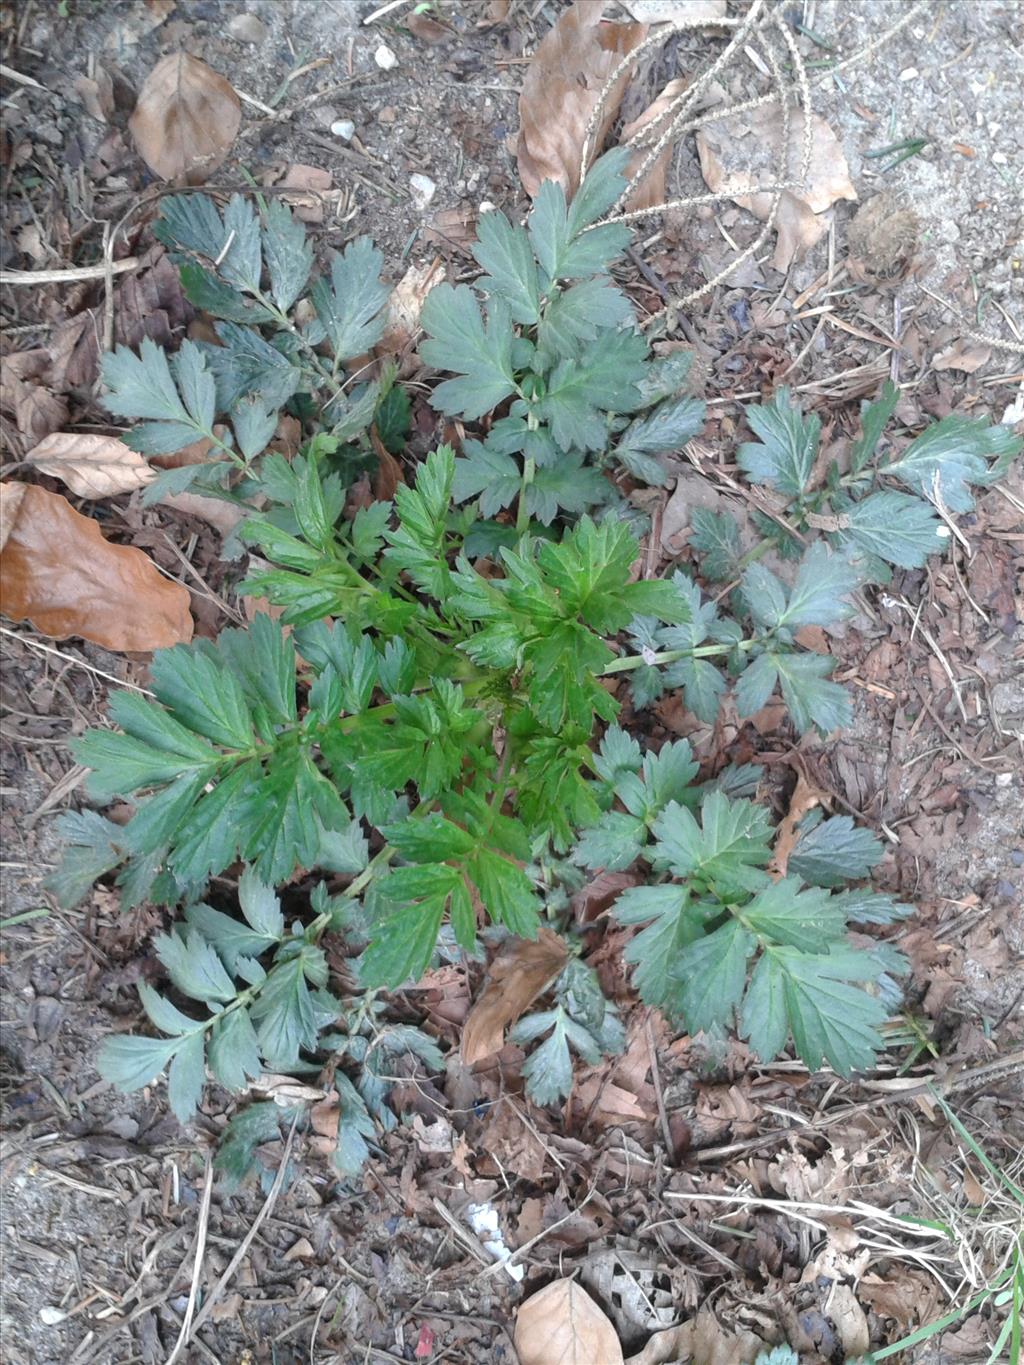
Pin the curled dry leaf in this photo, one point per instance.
(91, 466)
(741, 152)
(518, 975)
(805, 797)
(702, 1339)
(561, 90)
(562, 1325)
(186, 119)
(62, 575)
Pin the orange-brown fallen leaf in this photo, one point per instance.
(518, 975)
(185, 120)
(91, 466)
(60, 573)
(562, 1325)
(561, 90)
(805, 797)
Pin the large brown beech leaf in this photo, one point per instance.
(560, 92)
(186, 119)
(91, 466)
(59, 572)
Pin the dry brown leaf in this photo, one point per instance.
(427, 30)
(560, 92)
(62, 575)
(702, 1340)
(11, 495)
(963, 356)
(805, 797)
(406, 303)
(497, 13)
(653, 188)
(96, 94)
(518, 975)
(91, 466)
(562, 1325)
(186, 119)
(222, 516)
(743, 151)
(311, 183)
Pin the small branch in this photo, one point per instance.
(71, 275)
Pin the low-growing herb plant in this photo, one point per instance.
(431, 723)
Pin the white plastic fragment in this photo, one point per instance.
(422, 189)
(483, 1219)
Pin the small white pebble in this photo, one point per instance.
(343, 128)
(909, 73)
(999, 158)
(943, 531)
(422, 189)
(1004, 779)
(385, 58)
(51, 1316)
(246, 28)
(486, 206)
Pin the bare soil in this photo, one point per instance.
(101, 1193)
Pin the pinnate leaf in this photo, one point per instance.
(784, 456)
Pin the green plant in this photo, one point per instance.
(284, 335)
(722, 939)
(425, 735)
(559, 342)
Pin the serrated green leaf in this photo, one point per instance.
(788, 445)
(727, 850)
(873, 419)
(613, 843)
(570, 486)
(674, 922)
(203, 694)
(284, 1016)
(548, 1070)
(289, 254)
(829, 1019)
(234, 1053)
(246, 364)
(870, 907)
(132, 1062)
(702, 686)
(563, 249)
(187, 1076)
(764, 594)
(260, 906)
(810, 697)
(430, 839)
(208, 476)
(254, 424)
(404, 943)
(354, 1127)
(578, 314)
(581, 392)
(262, 659)
(504, 252)
(194, 967)
(120, 764)
(819, 597)
(191, 222)
(755, 684)
(208, 839)
(90, 848)
(506, 892)
(664, 429)
(953, 454)
(167, 1017)
(716, 536)
(206, 292)
(351, 307)
(483, 472)
(809, 919)
(834, 852)
(711, 974)
(249, 1129)
(602, 185)
(460, 343)
(899, 528)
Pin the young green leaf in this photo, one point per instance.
(953, 454)
(504, 252)
(785, 454)
(459, 342)
(351, 307)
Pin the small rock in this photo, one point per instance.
(246, 28)
(388, 114)
(51, 1316)
(422, 189)
(385, 58)
(343, 128)
(909, 73)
